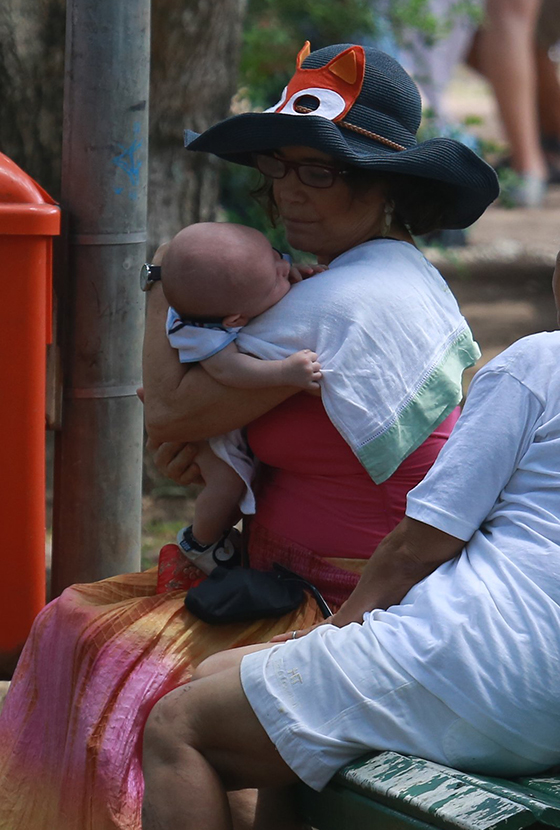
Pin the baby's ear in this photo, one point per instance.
(232, 321)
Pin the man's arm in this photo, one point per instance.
(407, 555)
(242, 371)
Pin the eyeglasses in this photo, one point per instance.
(311, 175)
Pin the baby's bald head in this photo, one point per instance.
(209, 268)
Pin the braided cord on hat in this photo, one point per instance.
(387, 141)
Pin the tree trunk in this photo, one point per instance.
(195, 52)
(195, 48)
(31, 82)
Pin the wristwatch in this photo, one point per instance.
(148, 275)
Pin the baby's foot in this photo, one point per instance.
(224, 552)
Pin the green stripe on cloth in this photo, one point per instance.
(432, 403)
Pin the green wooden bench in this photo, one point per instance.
(387, 791)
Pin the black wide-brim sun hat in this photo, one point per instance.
(376, 131)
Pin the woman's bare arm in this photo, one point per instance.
(186, 404)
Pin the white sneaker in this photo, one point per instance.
(224, 552)
(525, 191)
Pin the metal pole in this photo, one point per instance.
(98, 456)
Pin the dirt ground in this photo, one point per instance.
(502, 279)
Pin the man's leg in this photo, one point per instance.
(201, 740)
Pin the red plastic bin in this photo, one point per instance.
(29, 219)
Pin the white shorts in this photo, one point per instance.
(324, 704)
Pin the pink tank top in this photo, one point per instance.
(313, 490)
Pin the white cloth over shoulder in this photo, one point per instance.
(391, 341)
(392, 345)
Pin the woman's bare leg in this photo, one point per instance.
(265, 809)
(200, 741)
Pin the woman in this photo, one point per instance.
(346, 181)
(351, 196)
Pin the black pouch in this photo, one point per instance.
(232, 595)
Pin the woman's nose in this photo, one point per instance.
(289, 189)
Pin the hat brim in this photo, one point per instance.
(474, 183)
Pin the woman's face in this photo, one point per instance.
(325, 222)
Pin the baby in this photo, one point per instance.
(216, 277)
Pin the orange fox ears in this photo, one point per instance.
(303, 53)
(348, 67)
(329, 91)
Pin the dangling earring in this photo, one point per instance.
(387, 218)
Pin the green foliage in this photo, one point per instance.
(509, 181)
(275, 31)
(473, 120)
(416, 14)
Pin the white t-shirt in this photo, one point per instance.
(483, 631)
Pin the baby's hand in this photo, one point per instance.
(302, 369)
(299, 272)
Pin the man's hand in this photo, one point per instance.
(340, 619)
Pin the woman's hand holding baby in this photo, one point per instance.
(174, 460)
(302, 369)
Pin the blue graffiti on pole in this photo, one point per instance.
(128, 161)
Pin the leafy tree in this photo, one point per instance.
(275, 31)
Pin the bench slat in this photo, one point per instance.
(540, 795)
(338, 808)
(546, 784)
(433, 794)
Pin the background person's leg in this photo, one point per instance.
(505, 54)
